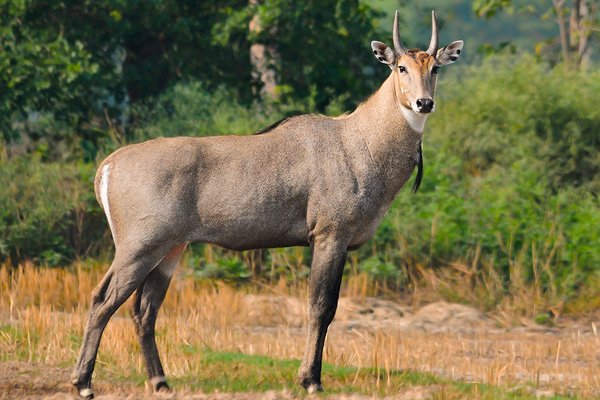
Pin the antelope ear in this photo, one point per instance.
(449, 54)
(384, 54)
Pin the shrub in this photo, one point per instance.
(48, 212)
(511, 176)
(513, 109)
(187, 109)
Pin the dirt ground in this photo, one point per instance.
(440, 323)
(24, 381)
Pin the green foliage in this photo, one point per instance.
(322, 45)
(519, 26)
(48, 212)
(511, 170)
(120, 53)
(510, 216)
(513, 108)
(83, 64)
(141, 47)
(544, 319)
(192, 110)
(488, 8)
(227, 269)
(379, 269)
(40, 71)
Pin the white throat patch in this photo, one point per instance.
(415, 120)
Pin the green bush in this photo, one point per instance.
(513, 109)
(511, 174)
(188, 109)
(48, 211)
(230, 269)
(510, 216)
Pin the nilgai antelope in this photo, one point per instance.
(308, 180)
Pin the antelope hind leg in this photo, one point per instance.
(148, 300)
(127, 273)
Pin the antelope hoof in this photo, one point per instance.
(159, 385)
(86, 393)
(82, 389)
(311, 385)
(314, 388)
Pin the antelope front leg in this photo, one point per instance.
(329, 257)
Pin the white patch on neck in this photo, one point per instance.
(415, 120)
(104, 197)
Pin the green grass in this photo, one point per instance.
(20, 342)
(237, 372)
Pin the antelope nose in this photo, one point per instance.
(425, 105)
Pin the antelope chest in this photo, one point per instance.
(361, 236)
(367, 215)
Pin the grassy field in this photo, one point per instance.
(216, 338)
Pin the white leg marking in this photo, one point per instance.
(86, 392)
(158, 379)
(104, 197)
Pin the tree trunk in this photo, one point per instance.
(580, 30)
(261, 58)
(560, 19)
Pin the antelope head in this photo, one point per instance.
(415, 71)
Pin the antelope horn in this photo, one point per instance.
(433, 45)
(398, 48)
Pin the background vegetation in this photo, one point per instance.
(509, 202)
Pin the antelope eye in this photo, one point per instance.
(435, 70)
(402, 68)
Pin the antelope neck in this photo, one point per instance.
(380, 123)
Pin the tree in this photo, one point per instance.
(322, 47)
(40, 71)
(574, 38)
(83, 62)
(263, 59)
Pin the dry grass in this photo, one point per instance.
(43, 311)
